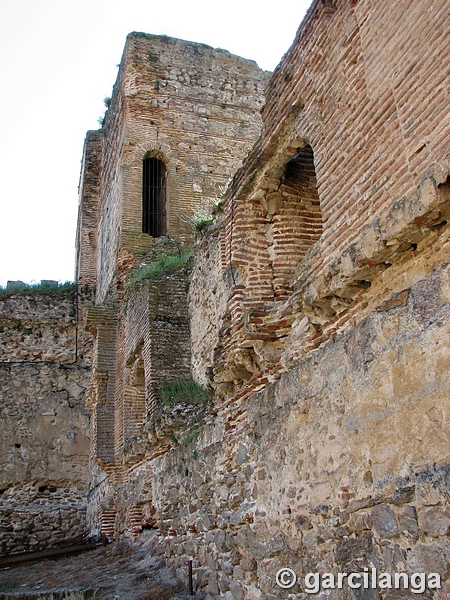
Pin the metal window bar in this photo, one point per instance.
(154, 197)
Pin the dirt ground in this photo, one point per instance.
(114, 572)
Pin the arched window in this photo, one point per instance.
(154, 197)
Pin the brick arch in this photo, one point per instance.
(291, 210)
(295, 217)
(273, 226)
(270, 231)
(154, 148)
(158, 154)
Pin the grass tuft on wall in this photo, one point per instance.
(182, 390)
(168, 263)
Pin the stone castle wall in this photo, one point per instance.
(339, 466)
(318, 305)
(326, 345)
(44, 427)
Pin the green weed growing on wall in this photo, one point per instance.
(167, 263)
(203, 214)
(182, 390)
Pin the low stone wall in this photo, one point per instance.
(44, 431)
(340, 466)
(44, 427)
(34, 517)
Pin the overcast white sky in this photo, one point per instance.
(58, 61)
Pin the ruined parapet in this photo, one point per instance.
(88, 212)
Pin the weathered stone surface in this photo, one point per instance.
(237, 593)
(444, 592)
(403, 495)
(400, 594)
(384, 520)
(435, 521)
(408, 521)
(427, 559)
(348, 550)
(38, 327)
(213, 99)
(364, 594)
(241, 455)
(360, 522)
(142, 336)
(294, 499)
(44, 427)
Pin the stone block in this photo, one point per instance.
(408, 521)
(359, 522)
(202, 575)
(212, 586)
(427, 559)
(224, 583)
(435, 521)
(353, 548)
(384, 520)
(242, 454)
(237, 590)
(248, 563)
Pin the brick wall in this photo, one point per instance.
(88, 212)
(378, 127)
(140, 342)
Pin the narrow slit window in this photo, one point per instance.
(297, 221)
(154, 197)
(302, 198)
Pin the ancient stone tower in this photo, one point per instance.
(181, 118)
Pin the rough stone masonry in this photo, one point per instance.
(45, 368)
(315, 308)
